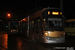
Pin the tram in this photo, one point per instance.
(14, 27)
(70, 27)
(45, 25)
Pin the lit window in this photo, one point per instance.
(55, 13)
(43, 19)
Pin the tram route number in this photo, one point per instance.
(63, 48)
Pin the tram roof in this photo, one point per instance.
(70, 20)
(38, 13)
(52, 8)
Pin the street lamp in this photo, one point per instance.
(9, 16)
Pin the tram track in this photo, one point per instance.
(30, 43)
(47, 45)
(34, 44)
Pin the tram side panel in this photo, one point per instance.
(35, 30)
(24, 29)
(38, 30)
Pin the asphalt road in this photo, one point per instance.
(19, 42)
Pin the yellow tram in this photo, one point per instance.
(45, 25)
(70, 27)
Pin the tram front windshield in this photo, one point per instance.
(54, 24)
(14, 25)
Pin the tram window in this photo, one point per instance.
(52, 23)
(41, 26)
(38, 22)
(32, 25)
(65, 24)
(55, 23)
(69, 24)
(36, 25)
(23, 26)
(73, 24)
(26, 26)
(29, 25)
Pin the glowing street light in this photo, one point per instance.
(24, 19)
(9, 16)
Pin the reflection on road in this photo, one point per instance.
(18, 42)
(4, 40)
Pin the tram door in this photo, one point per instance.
(37, 29)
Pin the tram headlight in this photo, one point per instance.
(47, 33)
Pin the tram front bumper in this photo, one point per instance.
(54, 40)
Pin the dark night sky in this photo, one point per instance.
(20, 8)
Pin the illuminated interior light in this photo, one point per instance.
(48, 12)
(44, 19)
(60, 13)
(23, 19)
(55, 13)
(38, 19)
